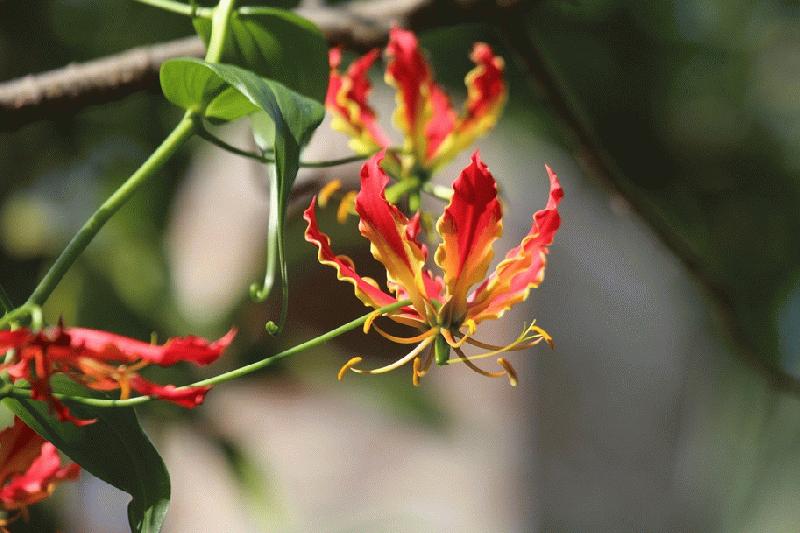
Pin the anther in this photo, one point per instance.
(347, 366)
(327, 191)
(512, 374)
(345, 206)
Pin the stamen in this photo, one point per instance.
(406, 340)
(472, 366)
(124, 387)
(347, 366)
(544, 335)
(517, 347)
(522, 342)
(448, 336)
(451, 340)
(512, 373)
(426, 363)
(346, 206)
(327, 191)
(388, 368)
(370, 319)
(421, 366)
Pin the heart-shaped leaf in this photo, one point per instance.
(276, 44)
(114, 449)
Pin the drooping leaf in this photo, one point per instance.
(276, 44)
(114, 449)
(283, 124)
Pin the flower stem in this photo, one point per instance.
(397, 190)
(182, 132)
(20, 393)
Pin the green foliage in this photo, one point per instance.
(286, 122)
(278, 45)
(680, 109)
(114, 449)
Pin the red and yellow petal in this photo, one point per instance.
(187, 397)
(387, 229)
(37, 481)
(19, 446)
(366, 289)
(104, 346)
(10, 340)
(486, 96)
(347, 100)
(523, 266)
(408, 71)
(469, 226)
(442, 121)
(433, 284)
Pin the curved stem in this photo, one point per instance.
(216, 141)
(225, 376)
(25, 310)
(182, 132)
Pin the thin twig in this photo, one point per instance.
(216, 141)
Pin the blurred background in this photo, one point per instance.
(670, 402)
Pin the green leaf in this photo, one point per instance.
(276, 44)
(114, 449)
(284, 124)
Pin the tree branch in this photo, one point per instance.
(357, 25)
(96, 82)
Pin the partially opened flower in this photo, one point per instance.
(445, 311)
(30, 469)
(433, 131)
(103, 361)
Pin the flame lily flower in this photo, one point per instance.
(433, 132)
(104, 361)
(445, 310)
(30, 469)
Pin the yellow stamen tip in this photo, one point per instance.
(415, 373)
(512, 373)
(346, 206)
(544, 335)
(347, 366)
(370, 319)
(328, 190)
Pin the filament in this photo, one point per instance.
(407, 340)
(350, 365)
(472, 366)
